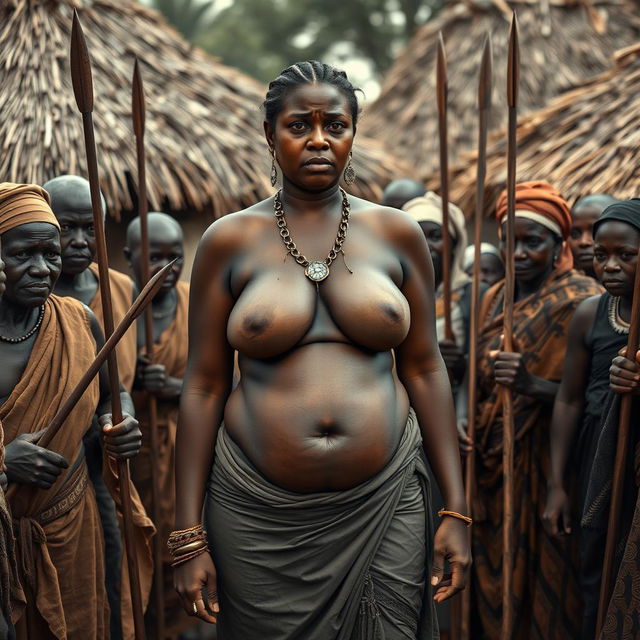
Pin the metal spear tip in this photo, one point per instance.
(485, 84)
(441, 75)
(513, 65)
(80, 63)
(138, 107)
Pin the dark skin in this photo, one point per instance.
(536, 251)
(398, 192)
(451, 353)
(491, 269)
(581, 239)
(616, 255)
(165, 245)
(32, 256)
(342, 333)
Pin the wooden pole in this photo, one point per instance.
(442, 92)
(138, 110)
(83, 89)
(484, 107)
(513, 81)
(622, 446)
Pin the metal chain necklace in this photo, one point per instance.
(315, 270)
(29, 333)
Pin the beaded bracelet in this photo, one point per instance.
(185, 544)
(454, 514)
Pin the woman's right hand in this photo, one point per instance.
(557, 513)
(190, 580)
(27, 463)
(464, 441)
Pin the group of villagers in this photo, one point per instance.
(306, 407)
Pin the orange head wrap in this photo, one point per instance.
(548, 207)
(24, 203)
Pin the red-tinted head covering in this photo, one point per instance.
(540, 198)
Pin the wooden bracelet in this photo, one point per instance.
(454, 514)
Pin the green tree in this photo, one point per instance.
(187, 16)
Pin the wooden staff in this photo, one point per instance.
(138, 111)
(442, 91)
(484, 106)
(513, 81)
(83, 89)
(622, 446)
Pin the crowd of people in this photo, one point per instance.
(311, 410)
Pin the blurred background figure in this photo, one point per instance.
(398, 192)
(491, 265)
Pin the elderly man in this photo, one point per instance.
(46, 345)
(162, 379)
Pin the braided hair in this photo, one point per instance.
(308, 72)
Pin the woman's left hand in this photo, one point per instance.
(122, 440)
(451, 543)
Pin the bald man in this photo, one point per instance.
(399, 192)
(79, 279)
(161, 378)
(584, 213)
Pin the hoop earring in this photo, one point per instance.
(349, 172)
(274, 171)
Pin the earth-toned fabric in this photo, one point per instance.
(22, 204)
(121, 299)
(545, 595)
(170, 351)
(345, 565)
(60, 562)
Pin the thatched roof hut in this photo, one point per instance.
(562, 42)
(205, 149)
(586, 141)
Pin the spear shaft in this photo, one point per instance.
(442, 94)
(139, 112)
(622, 446)
(484, 107)
(83, 90)
(513, 80)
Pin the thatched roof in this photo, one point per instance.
(586, 141)
(205, 148)
(562, 42)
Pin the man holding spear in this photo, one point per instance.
(47, 344)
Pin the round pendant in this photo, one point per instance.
(316, 271)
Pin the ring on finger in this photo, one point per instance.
(195, 609)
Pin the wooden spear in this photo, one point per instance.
(484, 107)
(138, 111)
(622, 446)
(442, 92)
(83, 89)
(513, 81)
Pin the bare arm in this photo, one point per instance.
(422, 371)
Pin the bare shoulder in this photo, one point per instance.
(585, 315)
(233, 232)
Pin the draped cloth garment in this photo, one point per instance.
(121, 299)
(343, 565)
(546, 597)
(170, 351)
(61, 562)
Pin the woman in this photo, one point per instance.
(491, 265)
(547, 293)
(316, 507)
(598, 331)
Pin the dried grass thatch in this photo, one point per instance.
(586, 141)
(562, 42)
(205, 149)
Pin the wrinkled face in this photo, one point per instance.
(581, 239)
(615, 257)
(313, 135)
(433, 234)
(32, 257)
(77, 239)
(535, 249)
(491, 268)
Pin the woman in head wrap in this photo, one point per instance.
(46, 345)
(427, 212)
(547, 292)
(491, 265)
(598, 332)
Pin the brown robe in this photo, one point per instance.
(170, 351)
(546, 599)
(121, 299)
